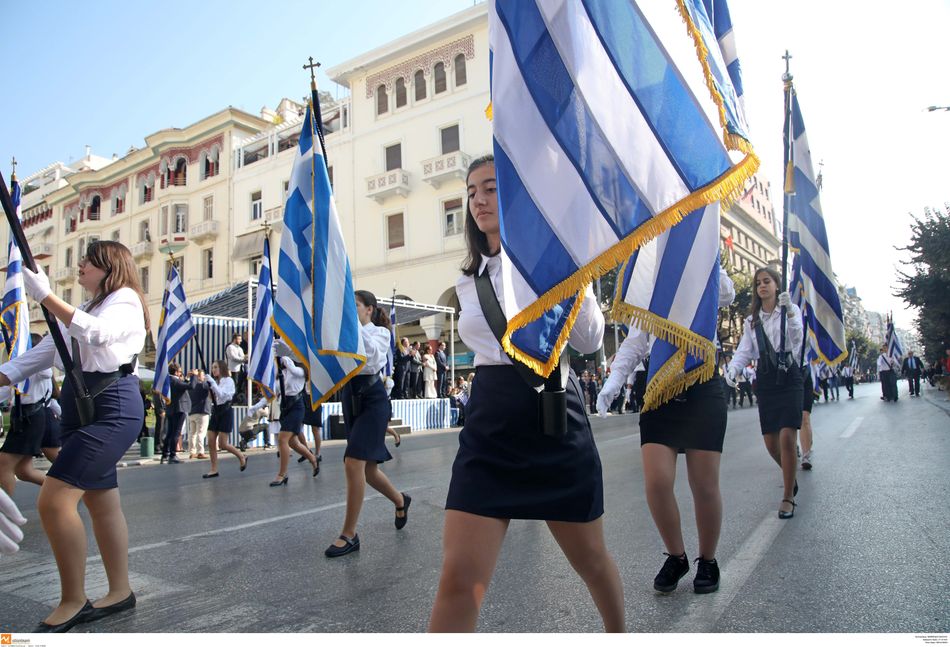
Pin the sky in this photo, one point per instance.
(108, 73)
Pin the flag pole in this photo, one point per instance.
(315, 102)
(789, 191)
(84, 404)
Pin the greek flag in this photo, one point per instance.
(854, 357)
(391, 355)
(175, 328)
(808, 239)
(315, 310)
(894, 349)
(718, 13)
(262, 367)
(613, 121)
(15, 314)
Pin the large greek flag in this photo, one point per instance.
(262, 367)
(894, 349)
(808, 239)
(721, 19)
(15, 315)
(175, 328)
(315, 310)
(612, 122)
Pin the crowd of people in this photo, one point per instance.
(526, 448)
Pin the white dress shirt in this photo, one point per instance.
(376, 344)
(41, 386)
(294, 377)
(234, 355)
(636, 346)
(585, 337)
(883, 364)
(109, 336)
(748, 348)
(223, 390)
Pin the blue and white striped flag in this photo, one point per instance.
(315, 310)
(391, 355)
(262, 366)
(894, 348)
(809, 240)
(15, 315)
(175, 328)
(854, 357)
(721, 19)
(612, 122)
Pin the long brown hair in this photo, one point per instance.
(115, 260)
(475, 240)
(756, 300)
(223, 370)
(379, 316)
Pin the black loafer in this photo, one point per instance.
(63, 627)
(244, 466)
(350, 546)
(401, 521)
(97, 613)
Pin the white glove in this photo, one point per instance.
(36, 284)
(731, 375)
(784, 300)
(608, 394)
(55, 408)
(281, 349)
(10, 518)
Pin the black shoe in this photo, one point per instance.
(162, 461)
(279, 482)
(173, 461)
(244, 466)
(674, 568)
(63, 627)
(350, 546)
(97, 613)
(301, 459)
(401, 521)
(210, 475)
(791, 513)
(795, 489)
(707, 576)
(316, 468)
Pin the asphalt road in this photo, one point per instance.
(866, 551)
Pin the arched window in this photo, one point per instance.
(419, 83)
(382, 100)
(440, 82)
(401, 98)
(95, 206)
(180, 174)
(210, 164)
(460, 75)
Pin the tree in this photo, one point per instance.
(730, 319)
(865, 349)
(927, 286)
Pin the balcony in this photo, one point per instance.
(64, 274)
(143, 249)
(172, 243)
(444, 168)
(382, 186)
(42, 250)
(204, 230)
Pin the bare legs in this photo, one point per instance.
(58, 505)
(358, 474)
(219, 440)
(659, 473)
(18, 466)
(806, 433)
(471, 544)
(781, 448)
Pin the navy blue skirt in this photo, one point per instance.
(222, 418)
(508, 469)
(26, 434)
(696, 419)
(52, 435)
(366, 429)
(89, 454)
(291, 414)
(779, 406)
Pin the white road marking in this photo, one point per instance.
(704, 611)
(853, 427)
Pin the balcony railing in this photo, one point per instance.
(204, 230)
(382, 186)
(444, 168)
(42, 250)
(172, 242)
(143, 249)
(64, 274)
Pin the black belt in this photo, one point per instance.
(365, 381)
(97, 382)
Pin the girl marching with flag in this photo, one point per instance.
(219, 427)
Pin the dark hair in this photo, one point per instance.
(379, 317)
(222, 368)
(236, 335)
(475, 240)
(173, 368)
(756, 300)
(115, 260)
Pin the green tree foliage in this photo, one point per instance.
(866, 350)
(927, 284)
(730, 319)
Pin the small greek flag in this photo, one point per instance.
(315, 309)
(613, 122)
(262, 366)
(175, 328)
(894, 349)
(15, 315)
